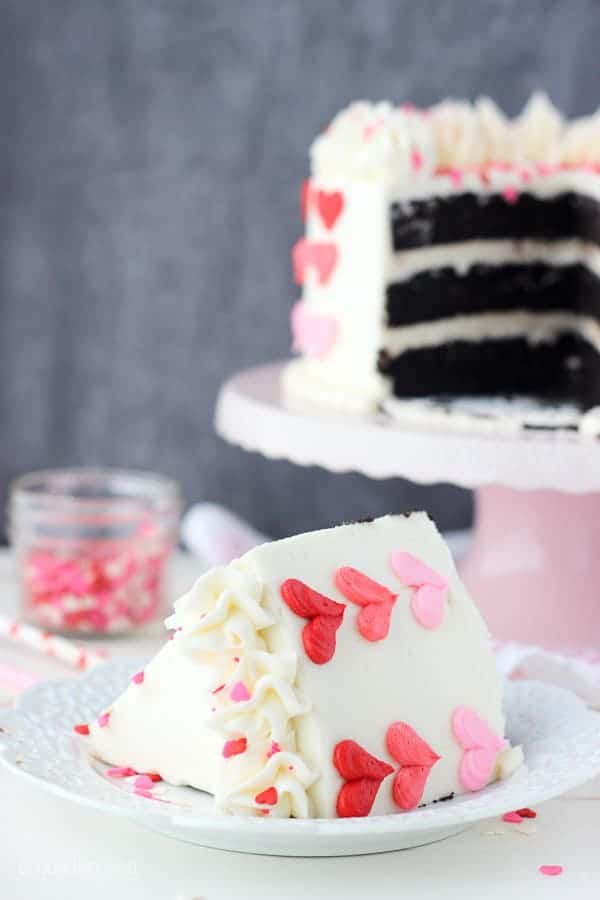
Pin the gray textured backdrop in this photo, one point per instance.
(150, 155)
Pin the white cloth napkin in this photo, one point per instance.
(216, 536)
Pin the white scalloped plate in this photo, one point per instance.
(560, 737)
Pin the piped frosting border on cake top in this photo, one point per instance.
(379, 140)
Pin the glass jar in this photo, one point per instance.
(92, 547)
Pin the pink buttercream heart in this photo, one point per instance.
(319, 255)
(428, 603)
(481, 747)
(376, 600)
(373, 621)
(416, 759)
(313, 334)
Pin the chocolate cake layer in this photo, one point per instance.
(567, 369)
(441, 293)
(468, 216)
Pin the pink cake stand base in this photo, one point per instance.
(534, 566)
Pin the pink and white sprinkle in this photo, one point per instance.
(551, 870)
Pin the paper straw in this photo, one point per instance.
(48, 644)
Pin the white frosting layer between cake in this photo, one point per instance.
(536, 327)
(238, 668)
(463, 255)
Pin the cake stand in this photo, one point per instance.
(534, 562)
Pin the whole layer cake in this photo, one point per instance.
(338, 673)
(449, 251)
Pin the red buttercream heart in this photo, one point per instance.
(325, 617)
(376, 599)
(416, 759)
(305, 198)
(330, 205)
(363, 775)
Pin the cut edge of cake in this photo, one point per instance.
(440, 241)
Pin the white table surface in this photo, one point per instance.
(50, 848)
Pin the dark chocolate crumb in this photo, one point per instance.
(531, 426)
(439, 800)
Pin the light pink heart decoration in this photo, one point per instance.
(428, 602)
(481, 746)
(313, 335)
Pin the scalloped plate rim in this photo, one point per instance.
(138, 810)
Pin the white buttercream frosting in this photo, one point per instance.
(379, 139)
(369, 140)
(457, 135)
(581, 141)
(223, 614)
(589, 424)
(222, 610)
(538, 131)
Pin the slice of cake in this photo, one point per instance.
(449, 251)
(337, 673)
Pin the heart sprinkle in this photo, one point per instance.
(144, 782)
(120, 772)
(103, 720)
(81, 729)
(234, 747)
(512, 818)
(138, 678)
(551, 870)
(526, 813)
(416, 159)
(239, 692)
(510, 194)
(143, 792)
(268, 797)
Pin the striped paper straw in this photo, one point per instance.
(48, 644)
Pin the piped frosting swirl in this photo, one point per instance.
(255, 697)
(382, 141)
